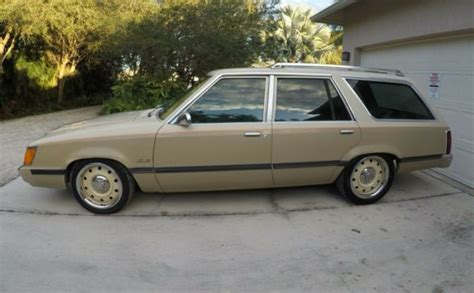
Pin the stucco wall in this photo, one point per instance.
(373, 22)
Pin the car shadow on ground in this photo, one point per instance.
(18, 196)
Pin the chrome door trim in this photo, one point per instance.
(346, 131)
(252, 134)
(271, 98)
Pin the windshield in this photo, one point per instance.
(170, 107)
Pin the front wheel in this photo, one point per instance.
(102, 187)
(366, 179)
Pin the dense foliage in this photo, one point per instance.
(142, 92)
(134, 54)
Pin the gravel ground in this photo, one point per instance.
(16, 134)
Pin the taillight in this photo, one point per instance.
(448, 142)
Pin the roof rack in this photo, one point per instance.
(338, 67)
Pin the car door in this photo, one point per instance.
(226, 146)
(312, 129)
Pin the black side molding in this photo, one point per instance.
(240, 167)
(420, 158)
(212, 168)
(141, 170)
(308, 164)
(48, 171)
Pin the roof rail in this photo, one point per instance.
(338, 67)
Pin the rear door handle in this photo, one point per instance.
(252, 133)
(346, 131)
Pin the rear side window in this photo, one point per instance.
(390, 100)
(308, 99)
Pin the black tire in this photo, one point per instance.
(348, 181)
(121, 177)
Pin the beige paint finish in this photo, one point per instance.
(212, 145)
(127, 138)
(311, 142)
(284, 154)
(53, 181)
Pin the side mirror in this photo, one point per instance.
(159, 112)
(184, 119)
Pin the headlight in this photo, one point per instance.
(29, 156)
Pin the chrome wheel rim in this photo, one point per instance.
(99, 185)
(369, 177)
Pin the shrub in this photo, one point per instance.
(142, 92)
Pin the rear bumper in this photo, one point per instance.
(54, 178)
(425, 162)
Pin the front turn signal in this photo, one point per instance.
(29, 156)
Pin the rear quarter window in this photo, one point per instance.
(386, 100)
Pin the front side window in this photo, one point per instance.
(390, 100)
(308, 99)
(231, 100)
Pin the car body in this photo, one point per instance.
(252, 140)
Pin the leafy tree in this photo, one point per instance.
(142, 92)
(333, 55)
(69, 31)
(14, 16)
(187, 39)
(296, 37)
(72, 30)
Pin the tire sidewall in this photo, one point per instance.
(127, 185)
(347, 180)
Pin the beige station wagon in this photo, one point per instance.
(289, 125)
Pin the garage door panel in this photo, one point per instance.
(453, 86)
(453, 58)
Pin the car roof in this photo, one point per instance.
(344, 71)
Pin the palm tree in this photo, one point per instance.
(298, 38)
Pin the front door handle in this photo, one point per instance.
(346, 131)
(252, 133)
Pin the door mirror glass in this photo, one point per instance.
(184, 119)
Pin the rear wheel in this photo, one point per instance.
(102, 187)
(367, 179)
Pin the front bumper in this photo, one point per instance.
(54, 178)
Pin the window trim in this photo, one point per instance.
(400, 82)
(192, 100)
(323, 77)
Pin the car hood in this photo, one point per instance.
(106, 119)
(100, 127)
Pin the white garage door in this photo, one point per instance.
(453, 59)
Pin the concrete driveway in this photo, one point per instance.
(419, 238)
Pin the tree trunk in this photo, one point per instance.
(61, 82)
(3, 44)
(7, 42)
(65, 69)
